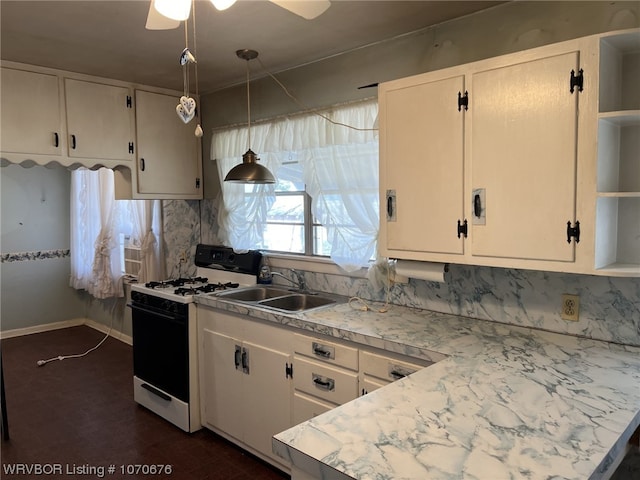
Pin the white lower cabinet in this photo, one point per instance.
(332, 384)
(378, 370)
(258, 379)
(307, 406)
(245, 387)
(325, 375)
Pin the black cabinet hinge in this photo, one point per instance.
(129, 101)
(288, 370)
(462, 228)
(197, 183)
(130, 147)
(463, 100)
(573, 232)
(576, 80)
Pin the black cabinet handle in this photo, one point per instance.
(397, 375)
(142, 164)
(56, 140)
(477, 205)
(390, 206)
(322, 384)
(73, 142)
(236, 357)
(245, 360)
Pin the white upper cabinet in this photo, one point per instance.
(31, 117)
(523, 134)
(539, 167)
(78, 120)
(169, 161)
(421, 145)
(99, 120)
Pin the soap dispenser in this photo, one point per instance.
(264, 276)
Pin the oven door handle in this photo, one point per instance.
(156, 392)
(152, 312)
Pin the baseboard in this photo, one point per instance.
(18, 332)
(76, 322)
(101, 327)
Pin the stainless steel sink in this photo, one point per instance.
(255, 294)
(277, 298)
(297, 302)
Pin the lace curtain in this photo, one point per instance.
(340, 170)
(97, 223)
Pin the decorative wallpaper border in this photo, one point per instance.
(28, 256)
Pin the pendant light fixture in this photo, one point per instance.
(249, 171)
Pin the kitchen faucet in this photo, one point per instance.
(299, 281)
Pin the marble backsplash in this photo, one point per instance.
(609, 306)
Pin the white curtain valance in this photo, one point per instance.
(300, 132)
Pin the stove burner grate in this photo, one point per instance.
(208, 288)
(178, 282)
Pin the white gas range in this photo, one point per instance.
(165, 359)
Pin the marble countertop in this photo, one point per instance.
(502, 402)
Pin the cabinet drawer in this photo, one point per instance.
(369, 384)
(329, 352)
(389, 368)
(324, 381)
(306, 407)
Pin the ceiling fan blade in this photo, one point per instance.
(157, 21)
(308, 9)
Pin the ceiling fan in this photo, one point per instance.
(167, 14)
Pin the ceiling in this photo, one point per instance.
(109, 39)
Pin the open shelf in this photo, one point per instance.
(618, 174)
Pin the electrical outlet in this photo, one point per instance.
(570, 307)
(183, 256)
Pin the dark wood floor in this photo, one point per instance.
(80, 412)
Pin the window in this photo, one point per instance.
(99, 226)
(290, 225)
(325, 201)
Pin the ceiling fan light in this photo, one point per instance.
(249, 171)
(174, 9)
(222, 4)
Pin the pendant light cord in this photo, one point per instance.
(195, 48)
(185, 67)
(304, 107)
(248, 110)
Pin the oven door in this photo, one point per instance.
(161, 350)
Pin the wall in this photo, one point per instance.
(34, 272)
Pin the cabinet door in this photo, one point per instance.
(99, 120)
(421, 148)
(523, 158)
(266, 396)
(306, 407)
(168, 158)
(222, 384)
(31, 121)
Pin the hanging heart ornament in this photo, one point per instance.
(186, 109)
